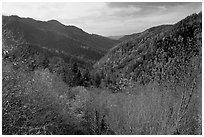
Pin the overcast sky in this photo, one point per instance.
(106, 19)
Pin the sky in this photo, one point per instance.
(105, 18)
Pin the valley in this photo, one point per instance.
(60, 80)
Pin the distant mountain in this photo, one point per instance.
(115, 37)
(55, 36)
(163, 52)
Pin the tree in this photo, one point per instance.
(77, 74)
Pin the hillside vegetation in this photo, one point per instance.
(149, 84)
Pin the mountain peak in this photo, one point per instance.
(54, 22)
(75, 28)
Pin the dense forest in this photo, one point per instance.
(150, 83)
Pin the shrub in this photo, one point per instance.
(154, 109)
(39, 103)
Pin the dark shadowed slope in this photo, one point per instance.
(56, 36)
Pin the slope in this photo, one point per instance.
(163, 54)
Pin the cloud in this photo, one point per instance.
(152, 8)
(144, 4)
(51, 10)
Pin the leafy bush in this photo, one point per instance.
(38, 103)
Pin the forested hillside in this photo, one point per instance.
(159, 53)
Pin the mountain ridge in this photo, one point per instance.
(55, 35)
